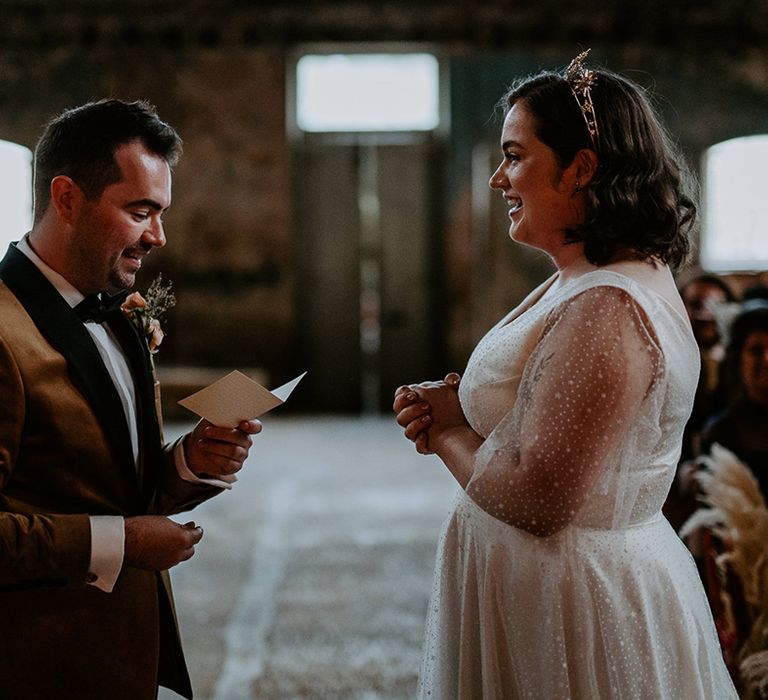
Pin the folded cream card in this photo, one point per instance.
(235, 398)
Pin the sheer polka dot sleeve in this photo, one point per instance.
(582, 388)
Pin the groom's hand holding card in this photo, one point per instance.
(236, 398)
(218, 445)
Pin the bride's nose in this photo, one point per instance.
(498, 179)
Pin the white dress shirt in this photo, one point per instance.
(108, 531)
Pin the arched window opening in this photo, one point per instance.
(735, 212)
(15, 192)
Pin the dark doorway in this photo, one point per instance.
(366, 220)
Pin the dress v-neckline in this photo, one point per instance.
(529, 302)
(538, 294)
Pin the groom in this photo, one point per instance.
(86, 609)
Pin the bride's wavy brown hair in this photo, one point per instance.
(641, 199)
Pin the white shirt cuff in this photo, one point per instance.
(107, 551)
(223, 482)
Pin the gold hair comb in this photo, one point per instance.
(581, 80)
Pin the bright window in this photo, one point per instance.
(735, 216)
(367, 92)
(15, 192)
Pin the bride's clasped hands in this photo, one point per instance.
(432, 418)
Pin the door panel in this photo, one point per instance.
(327, 221)
(409, 352)
(364, 226)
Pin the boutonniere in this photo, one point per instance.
(145, 312)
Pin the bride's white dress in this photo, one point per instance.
(557, 576)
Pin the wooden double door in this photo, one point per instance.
(366, 221)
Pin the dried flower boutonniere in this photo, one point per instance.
(145, 312)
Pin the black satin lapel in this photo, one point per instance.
(137, 353)
(63, 329)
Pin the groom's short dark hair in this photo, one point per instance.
(81, 143)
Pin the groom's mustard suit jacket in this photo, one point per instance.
(65, 454)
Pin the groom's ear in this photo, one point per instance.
(66, 198)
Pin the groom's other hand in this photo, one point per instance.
(219, 452)
(157, 543)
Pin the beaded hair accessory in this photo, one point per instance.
(581, 80)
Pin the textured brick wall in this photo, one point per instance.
(217, 71)
(229, 250)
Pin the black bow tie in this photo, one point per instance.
(97, 307)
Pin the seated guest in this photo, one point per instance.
(742, 426)
(755, 291)
(701, 295)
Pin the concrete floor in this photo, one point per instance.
(313, 576)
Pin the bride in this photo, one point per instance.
(557, 576)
